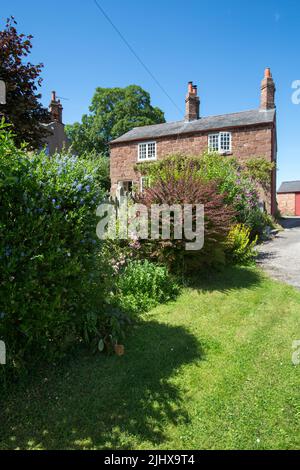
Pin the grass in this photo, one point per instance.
(212, 370)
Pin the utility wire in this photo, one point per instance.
(137, 56)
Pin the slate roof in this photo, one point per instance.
(245, 118)
(289, 187)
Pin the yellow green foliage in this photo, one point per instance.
(240, 249)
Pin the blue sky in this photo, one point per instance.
(223, 46)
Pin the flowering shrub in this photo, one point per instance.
(50, 282)
(143, 285)
(239, 247)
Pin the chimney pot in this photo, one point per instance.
(55, 108)
(268, 73)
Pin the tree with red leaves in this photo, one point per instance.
(22, 109)
(218, 218)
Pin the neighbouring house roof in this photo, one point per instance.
(289, 187)
(245, 118)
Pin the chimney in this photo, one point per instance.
(55, 108)
(267, 99)
(192, 103)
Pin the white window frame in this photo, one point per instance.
(147, 158)
(220, 149)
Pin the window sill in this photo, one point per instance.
(225, 154)
(147, 160)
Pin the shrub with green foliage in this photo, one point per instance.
(239, 247)
(239, 186)
(51, 282)
(260, 170)
(101, 165)
(142, 286)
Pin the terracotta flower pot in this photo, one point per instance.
(119, 349)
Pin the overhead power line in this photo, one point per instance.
(137, 56)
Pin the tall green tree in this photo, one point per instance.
(113, 112)
(23, 109)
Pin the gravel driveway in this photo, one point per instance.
(280, 257)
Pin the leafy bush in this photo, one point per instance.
(143, 285)
(240, 249)
(239, 186)
(51, 280)
(260, 170)
(259, 223)
(217, 221)
(101, 166)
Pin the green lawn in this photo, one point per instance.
(212, 370)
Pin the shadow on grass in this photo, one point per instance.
(227, 280)
(104, 402)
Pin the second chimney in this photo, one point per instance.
(192, 103)
(55, 108)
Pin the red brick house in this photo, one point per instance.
(244, 135)
(288, 198)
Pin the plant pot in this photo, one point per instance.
(119, 349)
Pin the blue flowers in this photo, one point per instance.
(54, 202)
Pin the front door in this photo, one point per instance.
(297, 204)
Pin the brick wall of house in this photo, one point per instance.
(246, 143)
(287, 203)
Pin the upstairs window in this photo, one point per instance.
(220, 142)
(147, 151)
